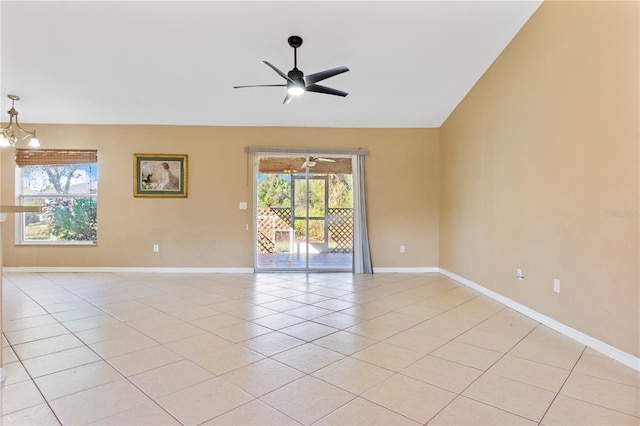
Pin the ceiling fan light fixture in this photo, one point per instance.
(295, 90)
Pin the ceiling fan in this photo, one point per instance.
(313, 161)
(298, 83)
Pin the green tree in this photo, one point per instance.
(341, 191)
(72, 219)
(274, 191)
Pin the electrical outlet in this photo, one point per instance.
(401, 249)
(556, 285)
(519, 274)
(156, 248)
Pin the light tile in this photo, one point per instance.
(605, 393)
(411, 398)
(272, 343)
(448, 325)
(29, 322)
(334, 304)
(353, 375)
(187, 405)
(59, 361)
(148, 413)
(14, 372)
(307, 400)
(194, 313)
(216, 322)
(156, 321)
(170, 333)
(480, 307)
(365, 413)
(228, 358)
(108, 332)
(308, 358)
(407, 310)
(254, 413)
(531, 372)
(241, 332)
(35, 333)
(442, 373)
(46, 346)
(76, 379)
(198, 345)
(569, 411)
(465, 411)
(97, 403)
(262, 377)
(308, 331)
(8, 355)
(416, 341)
(593, 364)
(469, 355)
(144, 360)
(374, 329)
(170, 378)
(122, 345)
(345, 342)
(388, 356)
(510, 395)
(338, 320)
(309, 312)
(549, 347)
(40, 415)
(278, 321)
(19, 396)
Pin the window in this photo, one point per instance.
(65, 184)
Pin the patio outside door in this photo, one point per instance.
(304, 215)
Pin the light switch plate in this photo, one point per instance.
(243, 205)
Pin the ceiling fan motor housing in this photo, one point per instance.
(297, 77)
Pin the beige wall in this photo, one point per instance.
(536, 160)
(207, 229)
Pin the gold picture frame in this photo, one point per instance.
(160, 175)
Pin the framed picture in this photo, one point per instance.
(159, 175)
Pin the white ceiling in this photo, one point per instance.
(175, 62)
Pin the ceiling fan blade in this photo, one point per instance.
(319, 76)
(287, 99)
(260, 85)
(325, 160)
(326, 90)
(280, 73)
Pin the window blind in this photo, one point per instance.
(55, 157)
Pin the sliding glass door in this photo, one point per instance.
(304, 213)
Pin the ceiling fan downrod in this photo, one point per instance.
(295, 42)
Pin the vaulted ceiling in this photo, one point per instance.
(175, 62)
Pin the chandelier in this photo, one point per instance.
(9, 136)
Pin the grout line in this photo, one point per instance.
(563, 383)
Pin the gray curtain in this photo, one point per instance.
(362, 263)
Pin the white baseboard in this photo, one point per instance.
(187, 270)
(604, 348)
(407, 270)
(177, 270)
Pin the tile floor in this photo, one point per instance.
(288, 349)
